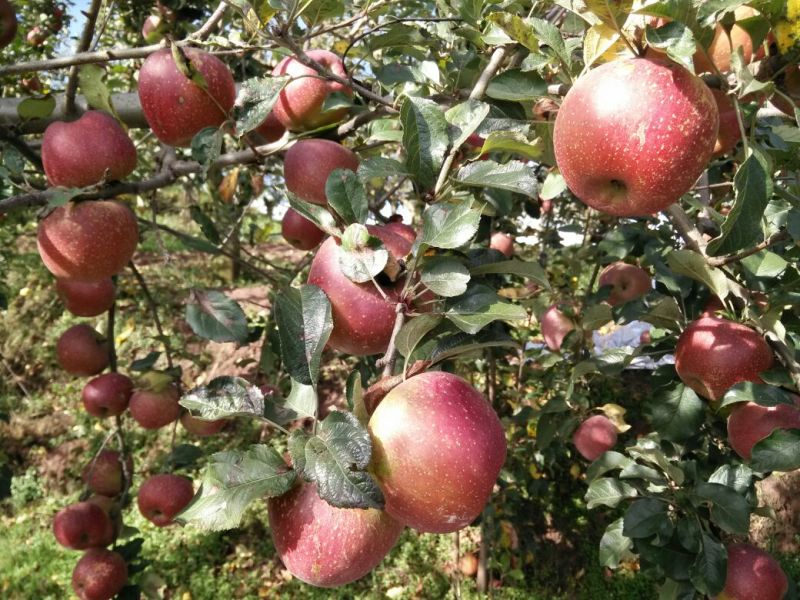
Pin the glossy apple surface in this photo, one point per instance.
(99, 575)
(152, 409)
(82, 351)
(104, 475)
(721, 48)
(627, 282)
(555, 326)
(749, 423)
(271, 129)
(83, 525)
(595, 436)
(308, 164)
(163, 496)
(753, 575)
(502, 243)
(299, 231)
(86, 298)
(107, 395)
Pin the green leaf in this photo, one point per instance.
(411, 334)
(60, 196)
(760, 393)
(36, 108)
(554, 185)
(765, 264)
(466, 116)
(213, 316)
(346, 195)
(676, 39)
(710, 568)
(232, 480)
(595, 316)
(514, 176)
(90, 80)
(481, 306)
(647, 517)
(598, 40)
(355, 397)
(517, 86)
(445, 276)
(207, 226)
(607, 491)
(206, 146)
(361, 255)
(753, 188)
(530, 270)
(691, 264)
(425, 138)
(517, 28)
(303, 399)
(677, 413)
(614, 546)
(737, 477)
(665, 314)
(608, 461)
(297, 451)
(255, 100)
(610, 12)
(449, 225)
(225, 397)
(379, 166)
(187, 67)
(514, 142)
(729, 509)
(778, 452)
(319, 215)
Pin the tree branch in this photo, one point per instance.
(83, 46)
(7, 136)
(775, 238)
(686, 229)
(151, 303)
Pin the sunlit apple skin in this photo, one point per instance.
(307, 165)
(163, 496)
(299, 231)
(362, 319)
(107, 395)
(719, 50)
(8, 23)
(175, 107)
(749, 423)
(155, 409)
(82, 351)
(86, 298)
(299, 106)
(595, 436)
(753, 575)
(502, 243)
(627, 282)
(105, 475)
(271, 129)
(88, 241)
(84, 152)
(634, 135)
(438, 447)
(555, 326)
(729, 133)
(99, 575)
(201, 427)
(404, 230)
(714, 354)
(327, 546)
(83, 525)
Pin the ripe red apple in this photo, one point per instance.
(720, 48)
(438, 447)
(99, 575)
(201, 427)
(714, 354)
(37, 36)
(87, 151)
(468, 564)
(632, 136)
(397, 226)
(88, 240)
(555, 326)
(328, 546)
(299, 106)
(749, 423)
(86, 298)
(175, 107)
(8, 23)
(627, 282)
(362, 319)
(753, 574)
(729, 133)
(299, 231)
(308, 164)
(594, 436)
(83, 525)
(107, 395)
(152, 29)
(502, 243)
(163, 496)
(82, 351)
(104, 475)
(155, 404)
(271, 129)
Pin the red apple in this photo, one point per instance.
(87, 151)
(201, 427)
(633, 135)
(107, 395)
(86, 298)
(627, 282)
(299, 106)
(271, 129)
(82, 351)
(555, 326)
(595, 436)
(468, 565)
(299, 231)
(152, 29)
(8, 23)
(714, 354)
(720, 49)
(99, 575)
(175, 107)
(502, 243)
(729, 133)
(163, 496)
(397, 226)
(32, 85)
(154, 406)
(362, 318)
(37, 36)
(83, 525)
(88, 240)
(749, 423)
(328, 546)
(438, 447)
(104, 475)
(753, 575)
(308, 164)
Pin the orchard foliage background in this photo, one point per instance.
(214, 291)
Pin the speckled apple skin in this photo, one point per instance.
(82, 351)
(77, 154)
(715, 354)
(307, 165)
(753, 575)
(328, 546)
(163, 496)
(99, 575)
(594, 436)
(729, 133)
(633, 135)
(152, 410)
(749, 423)
(502, 243)
(83, 525)
(87, 240)
(107, 395)
(86, 298)
(438, 448)
(299, 231)
(362, 319)
(104, 475)
(271, 129)
(628, 282)
(175, 107)
(299, 105)
(555, 326)
(402, 229)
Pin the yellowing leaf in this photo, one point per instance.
(617, 416)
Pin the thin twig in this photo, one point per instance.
(390, 357)
(211, 23)
(112, 351)
(7, 136)
(151, 303)
(83, 46)
(775, 238)
(686, 229)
